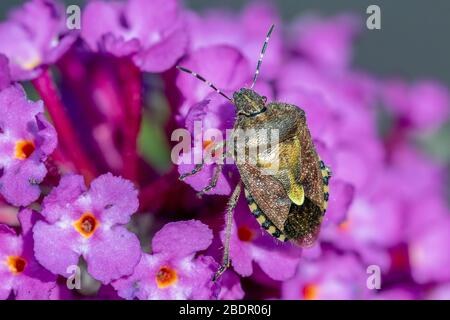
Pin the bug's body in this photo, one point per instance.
(290, 202)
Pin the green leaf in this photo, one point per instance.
(153, 145)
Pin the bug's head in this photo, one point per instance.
(248, 102)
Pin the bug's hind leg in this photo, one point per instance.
(213, 182)
(197, 169)
(218, 149)
(226, 251)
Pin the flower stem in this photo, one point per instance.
(131, 79)
(174, 98)
(153, 196)
(67, 135)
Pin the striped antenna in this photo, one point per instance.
(261, 55)
(205, 81)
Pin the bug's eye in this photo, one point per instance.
(264, 98)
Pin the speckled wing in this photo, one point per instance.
(274, 182)
(288, 154)
(267, 192)
(311, 174)
(298, 178)
(300, 171)
(284, 158)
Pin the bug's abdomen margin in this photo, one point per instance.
(326, 175)
(262, 219)
(303, 223)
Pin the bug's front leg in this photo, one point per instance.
(213, 182)
(226, 251)
(197, 169)
(219, 147)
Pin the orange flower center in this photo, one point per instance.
(31, 63)
(344, 226)
(165, 277)
(16, 264)
(207, 144)
(310, 292)
(245, 234)
(24, 149)
(86, 225)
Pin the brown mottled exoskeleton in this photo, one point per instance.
(289, 203)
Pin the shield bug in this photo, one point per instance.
(289, 203)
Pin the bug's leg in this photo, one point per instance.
(226, 251)
(213, 182)
(197, 169)
(220, 147)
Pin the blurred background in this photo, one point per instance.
(412, 45)
(411, 41)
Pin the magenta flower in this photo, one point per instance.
(326, 42)
(333, 277)
(230, 287)
(34, 36)
(428, 252)
(421, 105)
(245, 32)
(26, 140)
(5, 76)
(20, 273)
(203, 109)
(8, 215)
(173, 270)
(62, 292)
(437, 212)
(364, 214)
(348, 99)
(250, 243)
(152, 32)
(341, 198)
(372, 223)
(213, 113)
(428, 179)
(396, 294)
(320, 115)
(223, 65)
(440, 292)
(89, 223)
(387, 203)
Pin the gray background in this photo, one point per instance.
(414, 40)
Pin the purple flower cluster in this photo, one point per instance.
(26, 140)
(82, 191)
(30, 47)
(19, 271)
(155, 40)
(382, 183)
(88, 224)
(173, 271)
